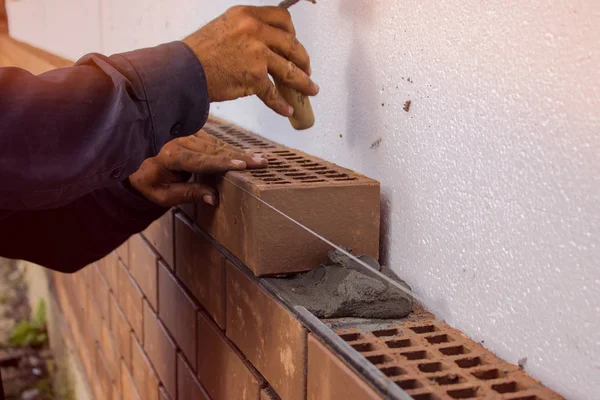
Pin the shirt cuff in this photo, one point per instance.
(176, 90)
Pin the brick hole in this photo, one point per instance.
(315, 168)
(409, 384)
(430, 367)
(386, 332)
(350, 337)
(424, 329)
(488, 374)
(393, 371)
(345, 179)
(297, 174)
(304, 178)
(466, 393)
(415, 355)
(336, 175)
(507, 387)
(454, 350)
(363, 347)
(293, 157)
(444, 338)
(314, 165)
(425, 396)
(379, 359)
(314, 180)
(396, 344)
(279, 183)
(526, 397)
(450, 379)
(469, 362)
(281, 152)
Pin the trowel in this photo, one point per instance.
(303, 117)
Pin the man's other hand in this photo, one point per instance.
(162, 179)
(242, 47)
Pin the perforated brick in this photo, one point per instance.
(430, 360)
(330, 378)
(272, 339)
(130, 301)
(201, 267)
(338, 203)
(178, 312)
(160, 349)
(143, 267)
(160, 235)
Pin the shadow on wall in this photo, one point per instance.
(362, 96)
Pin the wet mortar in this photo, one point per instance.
(344, 288)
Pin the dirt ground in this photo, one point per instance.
(25, 367)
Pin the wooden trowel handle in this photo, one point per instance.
(303, 117)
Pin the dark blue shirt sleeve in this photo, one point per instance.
(70, 237)
(72, 131)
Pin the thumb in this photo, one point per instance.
(184, 193)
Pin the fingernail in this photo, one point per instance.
(290, 111)
(309, 70)
(316, 88)
(238, 163)
(209, 199)
(259, 160)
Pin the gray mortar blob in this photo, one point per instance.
(344, 288)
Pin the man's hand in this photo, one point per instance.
(241, 48)
(160, 179)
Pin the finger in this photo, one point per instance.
(208, 148)
(184, 193)
(275, 16)
(288, 46)
(269, 95)
(290, 75)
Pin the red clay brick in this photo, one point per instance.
(331, 378)
(130, 301)
(129, 392)
(145, 379)
(160, 235)
(268, 335)
(123, 253)
(177, 311)
(268, 394)
(161, 350)
(221, 369)
(102, 374)
(188, 386)
(100, 289)
(121, 331)
(143, 267)
(109, 350)
(201, 267)
(94, 321)
(163, 395)
(109, 268)
(339, 204)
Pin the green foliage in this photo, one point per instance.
(33, 332)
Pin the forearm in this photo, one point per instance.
(71, 131)
(70, 237)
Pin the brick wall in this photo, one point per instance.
(169, 316)
(173, 314)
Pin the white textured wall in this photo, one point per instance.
(491, 183)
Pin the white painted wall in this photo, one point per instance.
(490, 184)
